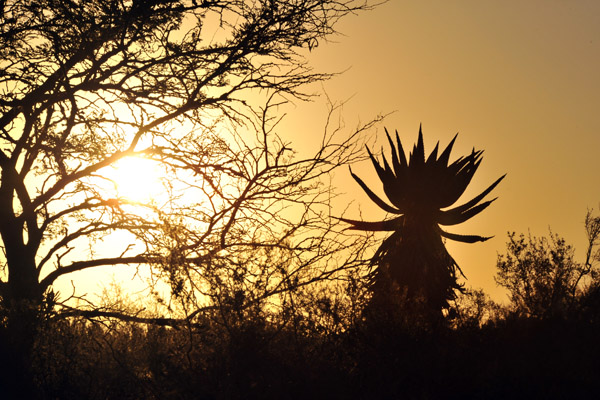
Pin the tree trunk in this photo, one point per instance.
(21, 306)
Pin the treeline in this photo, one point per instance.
(542, 344)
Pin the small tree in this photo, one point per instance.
(540, 274)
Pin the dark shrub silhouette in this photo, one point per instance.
(540, 274)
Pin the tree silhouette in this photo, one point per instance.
(413, 266)
(84, 84)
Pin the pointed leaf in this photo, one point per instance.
(462, 180)
(378, 168)
(452, 217)
(464, 238)
(386, 165)
(391, 186)
(395, 161)
(382, 204)
(401, 151)
(478, 198)
(417, 157)
(433, 156)
(445, 156)
(388, 225)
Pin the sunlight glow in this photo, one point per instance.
(137, 179)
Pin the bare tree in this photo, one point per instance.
(85, 84)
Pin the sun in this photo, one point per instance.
(137, 179)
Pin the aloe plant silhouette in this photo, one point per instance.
(413, 261)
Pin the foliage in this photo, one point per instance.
(317, 345)
(292, 351)
(540, 274)
(269, 359)
(412, 264)
(592, 256)
(473, 309)
(544, 280)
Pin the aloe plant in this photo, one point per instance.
(413, 260)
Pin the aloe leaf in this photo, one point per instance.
(454, 217)
(478, 198)
(380, 171)
(464, 238)
(395, 193)
(461, 182)
(401, 151)
(417, 156)
(433, 156)
(445, 156)
(382, 204)
(388, 179)
(386, 165)
(373, 226)
(395, 161)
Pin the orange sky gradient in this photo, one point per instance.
(520, 80)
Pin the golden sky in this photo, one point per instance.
(518, 79)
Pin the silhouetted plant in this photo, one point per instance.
(473, 309)
(413, 268)
(592, 256)
(543, 278)
(182, 85)
(540, 274)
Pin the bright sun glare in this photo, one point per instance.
(137, 179)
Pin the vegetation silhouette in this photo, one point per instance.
(541, 275)
(413, 269)
(315, 349)
(543, 278)
(255, 302)
(193, 87)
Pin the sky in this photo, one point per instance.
(518, 79)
